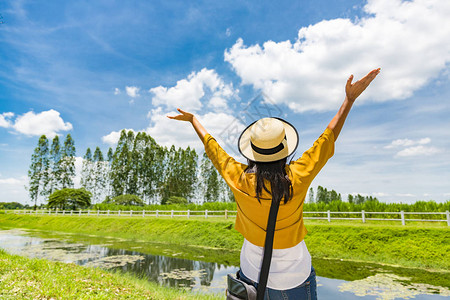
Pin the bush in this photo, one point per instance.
(70, 199)
(128, 199)
(176, 200)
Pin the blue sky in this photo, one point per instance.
(92, 68)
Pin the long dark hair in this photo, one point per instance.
(275, 173)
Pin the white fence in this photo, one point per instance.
(327, 215)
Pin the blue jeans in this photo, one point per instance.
(305, 291)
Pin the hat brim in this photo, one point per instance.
(246, 150)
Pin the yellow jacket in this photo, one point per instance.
(251, 220)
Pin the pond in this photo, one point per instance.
(204, 270)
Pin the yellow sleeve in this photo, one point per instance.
(226, 165)
(312, 161)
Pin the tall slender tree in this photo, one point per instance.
(87, 179)
(210, 184)
(68, 163)
(100, 175)
(38, 169)
(55, 165)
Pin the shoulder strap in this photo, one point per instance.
(268, 247)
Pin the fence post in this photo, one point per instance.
(79, 213)
(226, 213)
(157, 213)
(206, 214)
(329, 215)
(188, 213)
(108, 212)
(171, 213)
(64, 212)
(363, 216)
(71, 212)
(49, 212)
(131, 213)
(89, 212)
(143, 213)
(448, 217)
(402, 213)
(98, 212)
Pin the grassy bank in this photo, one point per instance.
(24, 278)
(419, 246)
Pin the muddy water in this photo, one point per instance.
(204, 270)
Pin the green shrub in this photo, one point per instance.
(70, 199)
(177, 200)
(128, 199)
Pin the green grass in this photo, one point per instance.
(25, 278)
(417, 245)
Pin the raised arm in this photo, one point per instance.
(352, 91)
(185, 116)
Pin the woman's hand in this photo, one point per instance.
(183, 116)
(353, 90)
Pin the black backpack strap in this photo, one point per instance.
(268, 247)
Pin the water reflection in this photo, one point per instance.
(169, 266)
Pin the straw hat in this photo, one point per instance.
(268, 139)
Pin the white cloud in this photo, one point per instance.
(116, 91)
(113, 137)
(132, 91)
(413, 147)
(408, 40)
(13, 181)
(187, 93)
(4, 122)
(228, 32)
(418, 150)
(405, 195)
(407, 142)
(47, 122)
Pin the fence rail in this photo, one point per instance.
(327, 215)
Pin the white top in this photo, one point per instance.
(289, 267)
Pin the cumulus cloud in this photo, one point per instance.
(132, 91)
(412, 147)
(113, 137)
(187, 93)
(4, 119)
(47, 122)
(13, 181)
(407, 39)
(407, 143)
(116, 91)
(418, 150)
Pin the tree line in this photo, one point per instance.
(323, 195)
(137, 166)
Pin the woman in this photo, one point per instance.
(266, 144)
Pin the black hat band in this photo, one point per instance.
(269, 151)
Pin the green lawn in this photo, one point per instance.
(418, 245)
(25, 278)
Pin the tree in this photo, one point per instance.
(209, 180)
(311, 195)
(119, 166)
(38, 169)
(176, 200)
(350, 198)
(68, 162)
(99, 175)
(128, 199)
(70, 199)
(86, 180)
(55, 165)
